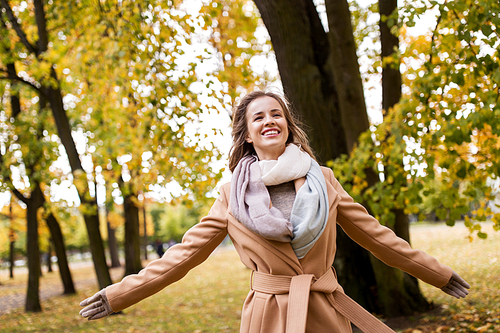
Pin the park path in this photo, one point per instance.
(15, 302)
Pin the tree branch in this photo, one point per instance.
(468, 42)
(18, 194)
(43, 39)
(17, 27)
(15, 77)
(8, 180)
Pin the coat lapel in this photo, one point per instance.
(333, 195)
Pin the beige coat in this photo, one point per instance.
(265, 310)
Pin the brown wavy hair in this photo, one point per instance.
(241, 148)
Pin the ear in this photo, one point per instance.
(248, 139)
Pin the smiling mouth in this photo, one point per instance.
(270, 133)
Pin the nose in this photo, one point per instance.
(269, 120)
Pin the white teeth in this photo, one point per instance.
(270, 133)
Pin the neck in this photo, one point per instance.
(269, 154)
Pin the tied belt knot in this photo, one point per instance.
(300, 286)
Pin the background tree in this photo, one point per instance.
(28, 153)
(13, 217)
(239, 41)
(39, 73)
(142, 120)
(141, 130)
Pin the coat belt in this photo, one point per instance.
(299, 287)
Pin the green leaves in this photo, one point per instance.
(435, 152)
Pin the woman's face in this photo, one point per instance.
(267, 127)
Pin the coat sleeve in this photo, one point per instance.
(383, 243)
(197, 244)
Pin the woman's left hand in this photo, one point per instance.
(96, 306)
(456, 287)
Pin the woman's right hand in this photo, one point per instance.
(456, 287)
(96, 306)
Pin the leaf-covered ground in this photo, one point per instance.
(478, 262)
(210, 297)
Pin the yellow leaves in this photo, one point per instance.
(482, 328)
(115, 219)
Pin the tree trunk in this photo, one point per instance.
(391, 76)
(11, 240)
(298, 34)
(345, 66)
(132, 234)
(33, 251)
(62, 259)
(145, 227)
(11, 257)
(49, 256)
(90, 216)
(410, 298)
(302, 52)
(113, 246)
(41, 261)
(112, 243)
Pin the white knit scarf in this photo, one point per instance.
(250, 199)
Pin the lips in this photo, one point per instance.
(270, 132)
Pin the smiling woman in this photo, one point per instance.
(281, 210)
(241, 125)
(267, 128)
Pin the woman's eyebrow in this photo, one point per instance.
(258, 113)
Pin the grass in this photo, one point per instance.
(210, 297)
(478, 262)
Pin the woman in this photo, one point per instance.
(280, 210)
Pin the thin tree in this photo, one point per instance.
(50, 88)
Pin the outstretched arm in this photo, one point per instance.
(392, 250)
(197, 244)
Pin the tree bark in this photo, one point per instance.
(320, 53)
(112, 245)
(302, 53)
(112, 242)
(33, 203)
(11, 256)
(145, 240)
(49, 255)
(409, 297)
(391, 76)
(345, 66)
(62, 259)
(132, 236)
(90, 216)
(33, 251)
(11, 239)
(132, 244)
